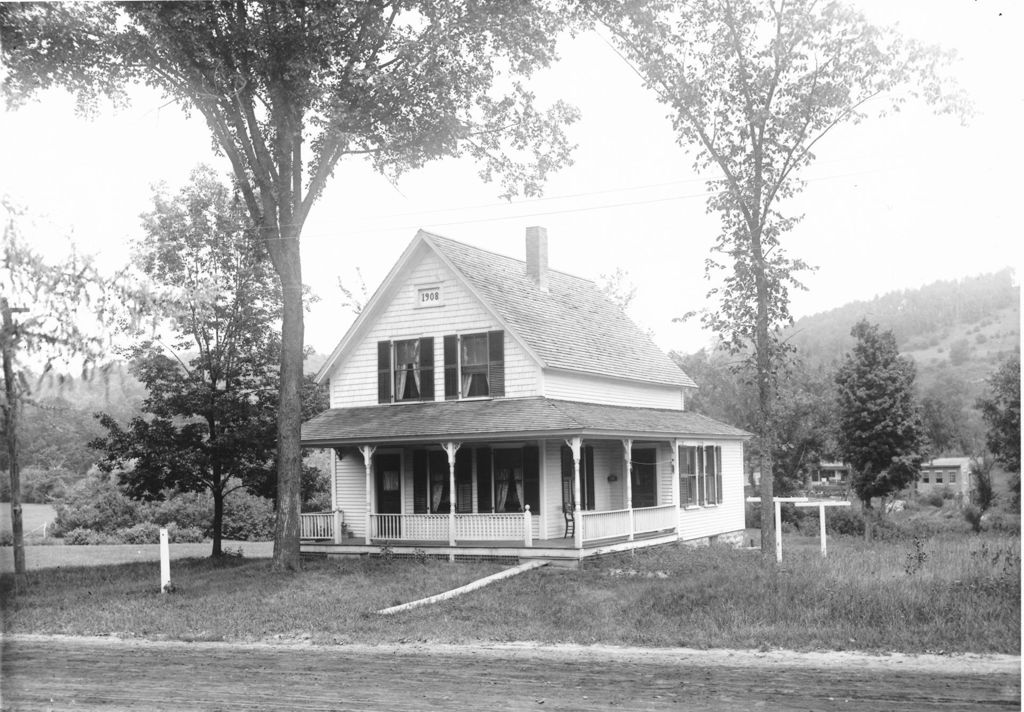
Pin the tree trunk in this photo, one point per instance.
(218, 521)
(289, 414)
(762, 349)
(11, 429)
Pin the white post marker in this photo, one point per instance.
(165, 561)
(821, 517)
(778, 519)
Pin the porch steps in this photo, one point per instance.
(479, 583)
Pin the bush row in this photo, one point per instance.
(143, 533)
(97, 504)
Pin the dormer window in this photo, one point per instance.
(405, 370)
(474, 365)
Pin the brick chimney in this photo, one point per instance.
(537, 256)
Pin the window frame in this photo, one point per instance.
(388, 373)
(493, 367)
(700, 479)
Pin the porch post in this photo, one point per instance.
(450, 449)
(674, 444)
(368, 451)
(576, 444)
(627, 451)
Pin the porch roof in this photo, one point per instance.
(505, 418)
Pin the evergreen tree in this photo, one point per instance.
(880, 432)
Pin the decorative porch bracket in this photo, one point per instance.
(367, 451)
(627, 452)
(450, 448)
(576, 444)
(675, 445)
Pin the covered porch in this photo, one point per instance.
(524, 478)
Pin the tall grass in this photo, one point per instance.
(951, 594)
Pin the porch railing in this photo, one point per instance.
(322, 526)
(654, 519)
(603, 525)
(434, 527)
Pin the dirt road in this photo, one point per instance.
(41, 673)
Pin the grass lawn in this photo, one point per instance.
(55, 553)
(956, 594)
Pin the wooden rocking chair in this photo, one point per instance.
(569, 512)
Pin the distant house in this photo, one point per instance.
(951, 474)
(488, 406)
(829, 473)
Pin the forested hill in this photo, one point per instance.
(966, 326)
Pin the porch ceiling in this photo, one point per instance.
(504, 418)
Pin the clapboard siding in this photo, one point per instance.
(610, 391)
(350, 488)
(354, 380)
(729, 515)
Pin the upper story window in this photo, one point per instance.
(405, 370)
(474, 365)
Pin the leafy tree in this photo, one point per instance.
(208, 420)
(289, 89)
(51, 314)
(880, 432)
(1001, 412)
(752, 87)
(803, 416)
(947, 424)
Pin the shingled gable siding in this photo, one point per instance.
(610, 391)
(354, 381)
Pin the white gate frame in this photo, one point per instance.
(800, 502)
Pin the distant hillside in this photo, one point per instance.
(963, 327)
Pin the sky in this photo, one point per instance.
(890, 204)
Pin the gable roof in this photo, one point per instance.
(571, 326)
(506, 418)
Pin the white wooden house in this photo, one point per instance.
(482, 405)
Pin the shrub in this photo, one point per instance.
(843, 521)
(95, 503)
(185, 535)
(247, 517)
(972, 515)
(143, 533)
(88, 536)
(186, 509)
(934, 498)
(6, 538)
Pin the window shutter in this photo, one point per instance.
(531, 477)
(427, 368)
(483, 480)
(383, 371)
(496, 363)
(419, 481)
(587, 475)
(718, 471)
(568, 475)
(451, 367)
(464, 480)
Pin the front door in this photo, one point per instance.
(645, 477)
(388, 470)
